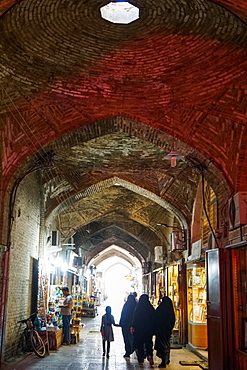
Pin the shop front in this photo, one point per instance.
(62, 270)
(197, 308)
(176, 284)
(159, 289)
(238, 259)
(173, 293)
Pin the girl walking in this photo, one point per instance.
(106, 330)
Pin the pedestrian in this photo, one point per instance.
(142, 329)
(135, 295)
(66, 315)
(164, 321)
(106, 330)
(126, 323)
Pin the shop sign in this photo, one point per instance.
(177, 240)
(196, 250)
(158, 253)
(237, 209)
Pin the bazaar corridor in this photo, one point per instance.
(87, 353)
(123, 153)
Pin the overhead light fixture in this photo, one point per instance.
(173, 156)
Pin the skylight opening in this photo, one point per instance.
(120, 12)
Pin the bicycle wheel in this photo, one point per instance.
(37, 344)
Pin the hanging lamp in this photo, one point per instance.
(173, 156)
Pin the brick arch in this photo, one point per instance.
(141, 255)
(109, 94)
(108, 254)
(213, 173)
(132, 234)
(113, 231)
(99, 187)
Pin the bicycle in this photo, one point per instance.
(31, 340)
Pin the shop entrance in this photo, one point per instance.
(214, 311)
(197, 309)
(237, 313)
(173, 293)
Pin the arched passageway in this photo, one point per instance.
(89, 111)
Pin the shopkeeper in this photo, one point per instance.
(66, 315)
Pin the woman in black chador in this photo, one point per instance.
(142, 328)
(164, 323)
(126, 322)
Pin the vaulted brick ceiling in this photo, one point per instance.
(179, 71)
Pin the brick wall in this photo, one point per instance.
(24, 247)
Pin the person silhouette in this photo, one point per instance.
(164, 321)
(142, 329)
(126, 323)
(106, 330)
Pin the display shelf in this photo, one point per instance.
(173, 292)
(56, 298)
(86, 312)
(78, 300)
(197, 308)
(83, 306)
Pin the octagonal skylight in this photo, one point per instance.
(119, 12)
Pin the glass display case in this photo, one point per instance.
(197, 307)
(173, 292)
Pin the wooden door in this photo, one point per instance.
(214, 314)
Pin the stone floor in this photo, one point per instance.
(87, 354)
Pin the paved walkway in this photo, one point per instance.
(87, 354)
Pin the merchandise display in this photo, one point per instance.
(56, 298)
(173, 292)
(49, 320)
(83, 306)
(159, 288)
(197, 308)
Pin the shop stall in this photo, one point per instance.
(197, 309)
(83, 305)
(55, 336)
(239, 290)
(159, 291)
(173, 292)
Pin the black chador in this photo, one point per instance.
(164, 323)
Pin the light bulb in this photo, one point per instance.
(173, 161)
